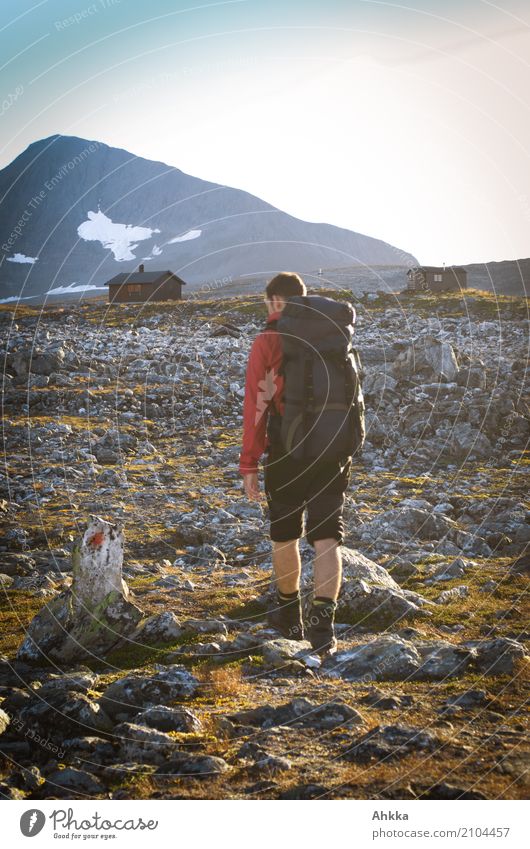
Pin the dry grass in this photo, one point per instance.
(226, 681)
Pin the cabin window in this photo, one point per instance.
(134, 289)
(438, 278)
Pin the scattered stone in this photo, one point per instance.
(452, 594)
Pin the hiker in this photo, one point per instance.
(300, 475)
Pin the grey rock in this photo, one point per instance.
(390, 742)
(384, 658)
(446, 596)
(136, 690)
(299, 713)
(72, 780)
(467, 442)
(370, 594)
(141, 744)
(278, 653)
(469, 699)
(497, 656)
(62, 712)
(205, 626)
(160, 627)
(187, 764)
(165, 718)
(455, 569)
(441, 659)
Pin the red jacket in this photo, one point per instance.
(263, 388)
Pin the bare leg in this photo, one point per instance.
(327, 566)
(287, 565)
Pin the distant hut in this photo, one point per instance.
(145, 286)
(436, 278)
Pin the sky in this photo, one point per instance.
(408, 122)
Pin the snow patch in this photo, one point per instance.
(22, 258)
(15, 298)
(74, 287)
(121, 239)
(190, 234)
(59, 290)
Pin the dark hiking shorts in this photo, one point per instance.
(292, 486)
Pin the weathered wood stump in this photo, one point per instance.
(95, 614)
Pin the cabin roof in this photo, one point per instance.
(142, 277)
(438, 269)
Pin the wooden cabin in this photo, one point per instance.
(437, 278)
(141, 285)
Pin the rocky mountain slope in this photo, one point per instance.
(133, 413)
(74, 211)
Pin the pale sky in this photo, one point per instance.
(406, 122)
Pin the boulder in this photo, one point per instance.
(390, 742)
(140, 744)
(442, 659)
(159, 628)
(65, 781)
(394, 658)
(387, 658)
(187, 764)
(126, 696)
(61, 711)
(300, 713)
(281, 652)
(428, 358)
(467, 442)
(370, 596)
(165, 718)
(497, 656)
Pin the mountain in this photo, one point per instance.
(508, 277)
(74, 212)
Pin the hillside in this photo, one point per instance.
(133, 413)
(74, 211)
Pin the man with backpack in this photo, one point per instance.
(303, 406)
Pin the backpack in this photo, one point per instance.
(323, 400)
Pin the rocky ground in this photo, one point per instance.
(134, 413)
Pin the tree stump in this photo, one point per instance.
(94, 615)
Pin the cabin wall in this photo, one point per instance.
(130, 293)
(450, 281)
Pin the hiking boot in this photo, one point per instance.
(285, 615)
(321, 627)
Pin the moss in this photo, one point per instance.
(17, 609)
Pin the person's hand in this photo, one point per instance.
(250, 484)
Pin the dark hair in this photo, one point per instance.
(285, 284)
